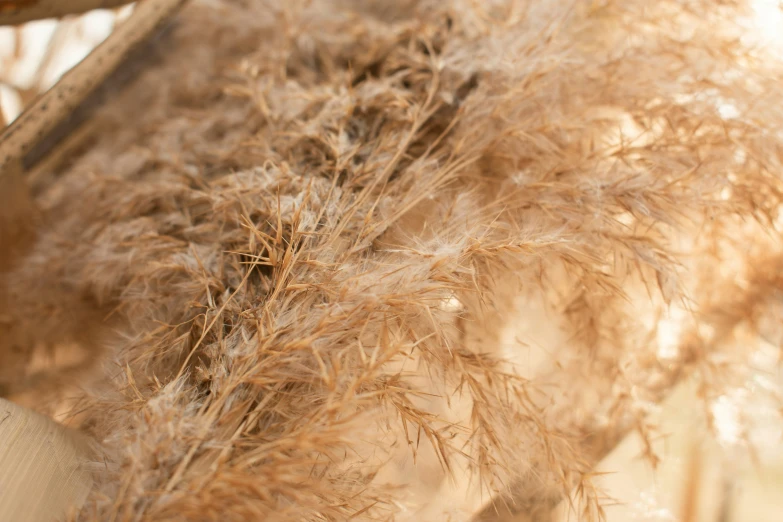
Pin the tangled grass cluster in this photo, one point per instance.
(401, 260)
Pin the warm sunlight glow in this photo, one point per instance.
(768, 20)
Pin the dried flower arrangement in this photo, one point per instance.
(308, 258)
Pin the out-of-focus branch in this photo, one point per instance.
(14, 12)
(57, 103)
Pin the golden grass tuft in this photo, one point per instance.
(296, 243)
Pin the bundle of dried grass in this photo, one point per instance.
(300, 253)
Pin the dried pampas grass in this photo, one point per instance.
(314, 251)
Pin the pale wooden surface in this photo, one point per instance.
(43, 471)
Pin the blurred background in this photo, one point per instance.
(34, 55)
